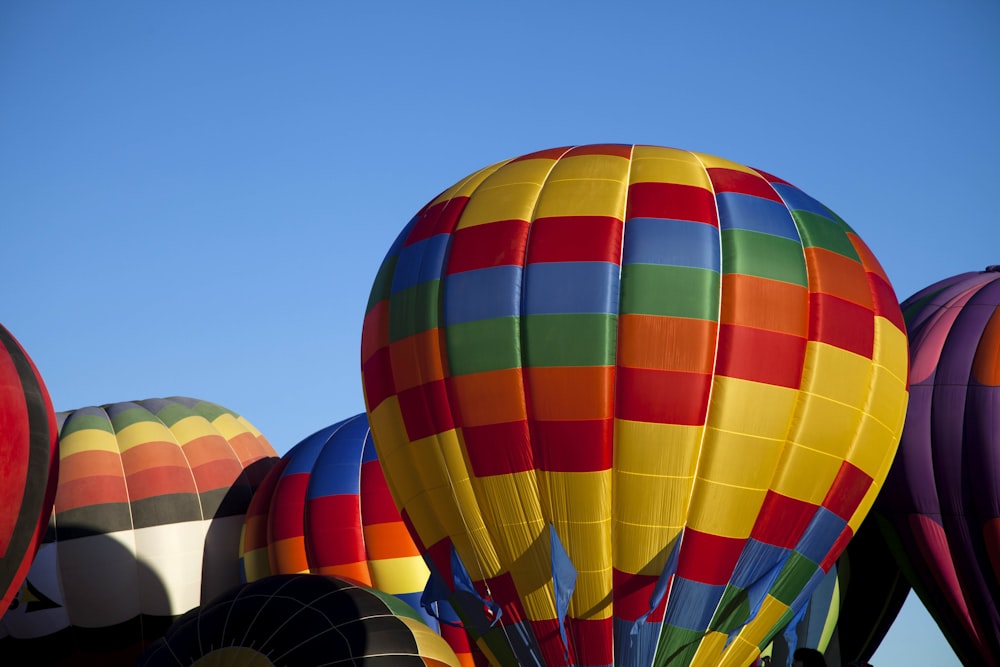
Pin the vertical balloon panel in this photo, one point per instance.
(640, 398)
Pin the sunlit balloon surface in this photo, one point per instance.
(638, 398)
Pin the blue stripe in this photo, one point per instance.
(338, 468)
(419, 263)
(302, 457)
(571, 287)
(797, 200)
(692, 604)
(413, 599)
(482, 294)
(824, 529)
(671, 243)
(638, 650)
(368, 453)
(756, 561)
(740, 211)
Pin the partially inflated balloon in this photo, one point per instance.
(325, 508)
(638, 398)
(28, 464)
(941, 502)
(148, 510)
(300, 620)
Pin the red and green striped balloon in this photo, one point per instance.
(642, 397)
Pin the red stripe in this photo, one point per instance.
(500, 243)
(838, 548)
(673, 201)
(733, 180)
(288, 507)
(440, 218)
(662, 397)
(593, 640)
(847, 491)
(617, 150)
(841, 323)
(218, 474)
(377, 374)
(426, 410)
(335, 535)
(377, 505)
(632, 593)
(716, 570)
(498, 449)
(576, 239)
(886, 304)
(547, 154)
(573, 446)
(94, 490)
(782, 520)
(759, 355)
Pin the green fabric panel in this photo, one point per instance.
(483, 345)
(83, 422)
(678, 291)
(676, 646)
(126, 418)
(173, 413)
(414, 310)
(793, 578)
(579, 339)
(211, 411)
(763, 255)
(382, 287)
(820, 232)
(733, 610)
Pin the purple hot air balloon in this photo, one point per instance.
(941, 502)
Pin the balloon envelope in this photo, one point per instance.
(941, 501)
(637, 398)
(325, 508)
(28, 463)
(301, 620)
(146, 523)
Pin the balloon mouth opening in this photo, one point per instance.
(992, 268)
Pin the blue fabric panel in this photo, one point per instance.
(482, 294)
(635, 649)
(302, 457)
(368, 453)
(692, 604)
(756, 561)
(338, 467)
(421, 262)
(571, 287)
(671, 243)
(755, 214)
(413, 599)
(796, 200)
(824, 529)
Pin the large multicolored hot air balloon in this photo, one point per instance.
(28, 463)
(146, 524)
(941, 501)
(637, 398)
(300, 620)
(325, 508)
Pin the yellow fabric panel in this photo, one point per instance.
(891, 349)
(653, 164)
(241, 423)
(711, 161)
(881, 426)
(579, 506)
(87, 440)
(399, 575)
(585, 185)
(754, 408)
(740, 653)
(190, 428)
(837, 374)
(230, 427)
(654, 467)
(508, 194)
(771, 611)
(712, 645)
(738, 459)
(806, 474)
(429, 643)
(826, 425)
(227, 656)
(142, 432)
(590, 167)
(742, 506)
(256, 564)
(467, 185)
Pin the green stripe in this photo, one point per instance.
(483, 345)
(819, 232)
(570, 339)
(211, 411)
(414, 310)
(173, 413)
(677, 291)
(84, 422)
(733, 610)
(126, 418)
(382, 287)
(793, 578)
(763, 255)
(676, 646)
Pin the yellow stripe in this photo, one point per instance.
(713, 161)
(652, 164)
(142, 432)
(466, 186)
(509, 194)
(806, 474)
(429, 643)
(729, 511)
(753, 408)
(191, 428)
(399, 575)
(87, 440)
(230, 426)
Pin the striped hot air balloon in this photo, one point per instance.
(146, 523)
(325, 508)
(639, 398)
(28, 463)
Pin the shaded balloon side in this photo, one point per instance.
(635, 399)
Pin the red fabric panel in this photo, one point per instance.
(576, 239)
(500, 243)
(573, 446)
(498, 449)
(708, 559)
(842, 324)
(847, 491)
(426, 410)
(782, 520)
(734, 180)
(673, 201)
(761, 356)
(663, 397)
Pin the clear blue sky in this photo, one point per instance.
(195, 197)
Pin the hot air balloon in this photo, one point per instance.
(325, 509)
(301, 620)
(28, 464)
(636, 398)
(146, 523)
(941, 501)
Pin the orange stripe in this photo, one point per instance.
(356, 572)
(666, 343)
(832, 273)
(389, 540)
(491, 397)
(572, 392)
(154, 454)
(417, 360)
(289, 556)
(986, 363)
(91, 463)
(206, 449)
(765, 304)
